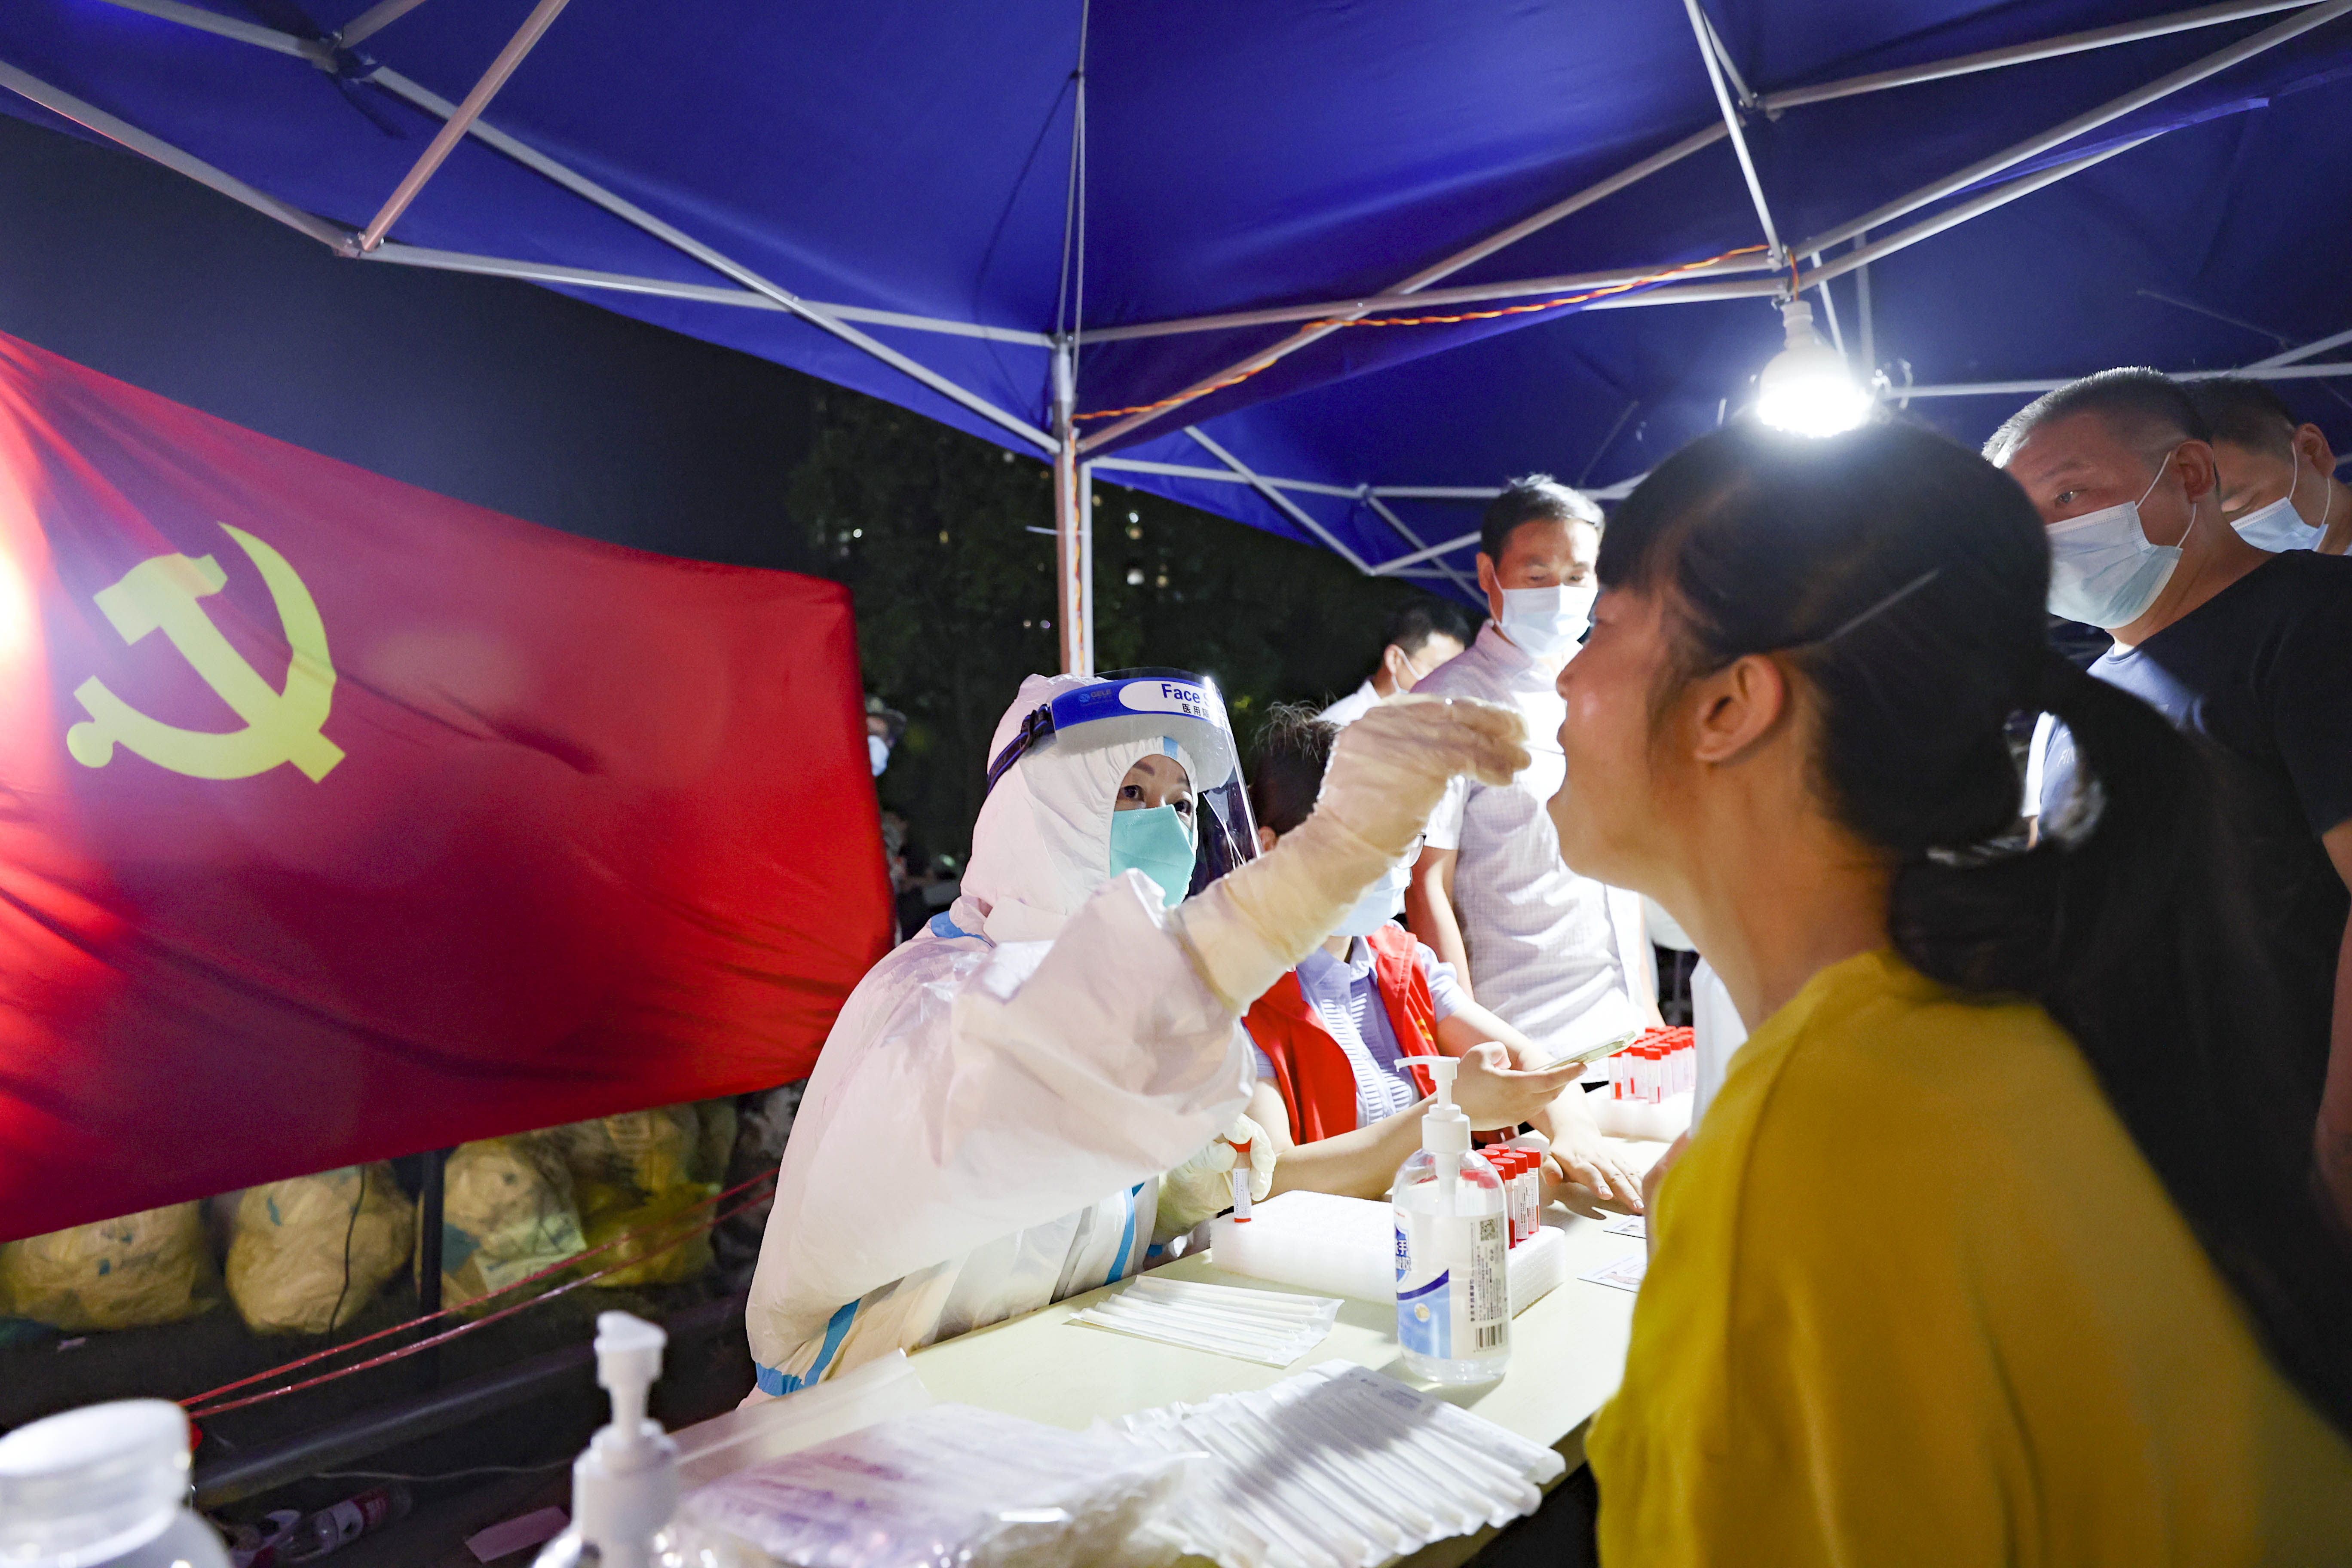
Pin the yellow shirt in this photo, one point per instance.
(1919, 1299)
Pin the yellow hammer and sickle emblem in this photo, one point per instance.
(161, 594)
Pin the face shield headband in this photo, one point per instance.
(1140, 705)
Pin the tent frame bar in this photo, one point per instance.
(2114, 109)
(1703, 31)
(1864, 254)
(1362, 305)
(1283, 503)
(252, 33)
(1417, 282)
(2265, 370)
(92, 118)
(2335, 340)
(1775, 103)
(630, 213)
(453, 129)
(1393, 520)
(433, 103)
(393, 251)
(374, 20)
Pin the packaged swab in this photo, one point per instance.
(1271, 1328)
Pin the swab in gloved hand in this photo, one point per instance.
(1203, 1188)
(1389, 770)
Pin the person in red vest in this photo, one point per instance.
(1335, 1035)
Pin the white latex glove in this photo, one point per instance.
(1389, 770)
(1202, 1186)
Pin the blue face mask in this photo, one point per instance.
(1157, 842)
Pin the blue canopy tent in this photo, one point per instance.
(1331, 269)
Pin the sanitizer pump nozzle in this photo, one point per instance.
(1444, 1129)
(624, 1485)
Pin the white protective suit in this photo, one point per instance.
(1049, 1033)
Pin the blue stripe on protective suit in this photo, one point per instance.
(836, 1329)
(1127, 1236)
(941, 926)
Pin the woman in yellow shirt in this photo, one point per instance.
(1999, 1243)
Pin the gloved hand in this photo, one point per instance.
(1389, 770)
(1202, 1186)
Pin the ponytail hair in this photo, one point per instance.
(1906, 579)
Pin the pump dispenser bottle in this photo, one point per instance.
(625, 1486)
(1452, 1229)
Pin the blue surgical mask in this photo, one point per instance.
(2102, 569)
(1157, 842)
(877, 754)
(1547, 622)
(2279, 526)
(1381, 903)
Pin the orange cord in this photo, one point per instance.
(1643, 282)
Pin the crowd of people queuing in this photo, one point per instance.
(2017, 1226)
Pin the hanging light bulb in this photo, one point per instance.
(1806, 388)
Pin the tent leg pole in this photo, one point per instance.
(1086, 599)
(1073, 526)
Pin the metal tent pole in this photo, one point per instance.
(1418, 281)
(2114, 109)
(1283, 503)
(1704, 34)
(2335, 341)
(1772, 103)
(1073, 525)
(453, 129)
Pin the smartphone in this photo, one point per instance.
(1591, 1054)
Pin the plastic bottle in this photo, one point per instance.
(333, 1529)
(103, 1487)
(1454, 1309)
(624, 1485)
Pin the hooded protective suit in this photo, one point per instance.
(1049, 1036)
(987, 1126)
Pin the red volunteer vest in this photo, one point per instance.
(1318, 1086)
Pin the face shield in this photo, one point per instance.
(1128, 705)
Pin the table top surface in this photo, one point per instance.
(1568, 1350)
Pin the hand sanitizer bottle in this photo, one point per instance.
(625, 1486)
(1452, 1292)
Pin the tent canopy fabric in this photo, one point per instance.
(958, 195)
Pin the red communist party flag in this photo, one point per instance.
(341, 820)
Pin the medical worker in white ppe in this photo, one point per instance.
(1011, 1104)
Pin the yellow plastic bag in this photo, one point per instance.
(306, 1255)
(650, 1150)
(608, 1211)
(506, 1211)
(153, 1267)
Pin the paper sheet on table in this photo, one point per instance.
(1627, 1225)
(1625, 1274)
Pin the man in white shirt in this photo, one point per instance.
(1424, 633)
(1565, 959)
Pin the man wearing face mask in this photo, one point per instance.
(884, 725)
(2278, 484)
(2246, 648)
(1335, 1037)
(1564, 958)
(1424, 633)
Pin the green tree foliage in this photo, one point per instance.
(946, 544)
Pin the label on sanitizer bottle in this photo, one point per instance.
(1452, 1302)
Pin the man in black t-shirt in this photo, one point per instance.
(2247, 649)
